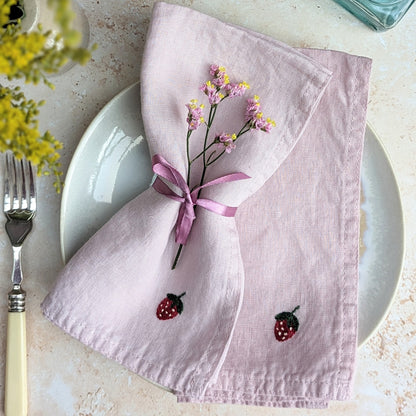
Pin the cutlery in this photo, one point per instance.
(19, 208)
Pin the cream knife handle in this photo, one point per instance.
(15, 398)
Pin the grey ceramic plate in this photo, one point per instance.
(112, 165)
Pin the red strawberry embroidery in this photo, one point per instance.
(286, 325)
(170, 307)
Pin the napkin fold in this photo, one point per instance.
(287, 263)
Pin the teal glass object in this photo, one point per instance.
(378, 14)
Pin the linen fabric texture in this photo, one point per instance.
(293, 242)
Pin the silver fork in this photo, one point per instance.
(19, 208)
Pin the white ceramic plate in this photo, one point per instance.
(112, 165)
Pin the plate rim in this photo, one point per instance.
(393, 296)
(78, 150)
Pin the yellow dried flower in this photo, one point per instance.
(32, 56)
(19, 133)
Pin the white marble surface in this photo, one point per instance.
(66, 378)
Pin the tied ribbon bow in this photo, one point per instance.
(186, 215)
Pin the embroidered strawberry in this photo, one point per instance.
(286, 325)
(170, 307)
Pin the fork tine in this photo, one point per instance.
(7, 174)
(23, 171)
(32, 187)
(15, 180)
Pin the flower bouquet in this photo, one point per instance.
(218, 89)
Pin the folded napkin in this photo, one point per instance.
(263, 305)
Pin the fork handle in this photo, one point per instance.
(15, 400)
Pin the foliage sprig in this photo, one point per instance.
(32, 56)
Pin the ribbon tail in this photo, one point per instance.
(184, 223)
(217, 207)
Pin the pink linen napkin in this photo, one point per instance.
(303, 249)
(295, 241)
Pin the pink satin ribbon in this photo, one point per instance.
(186, 215)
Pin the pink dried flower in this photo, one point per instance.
(268, 125)
(195, 116)
(254, 116)
(236, 89)
(252, 109)
(212, 92)
(213, 69)
(226, 141)
(220, 77)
